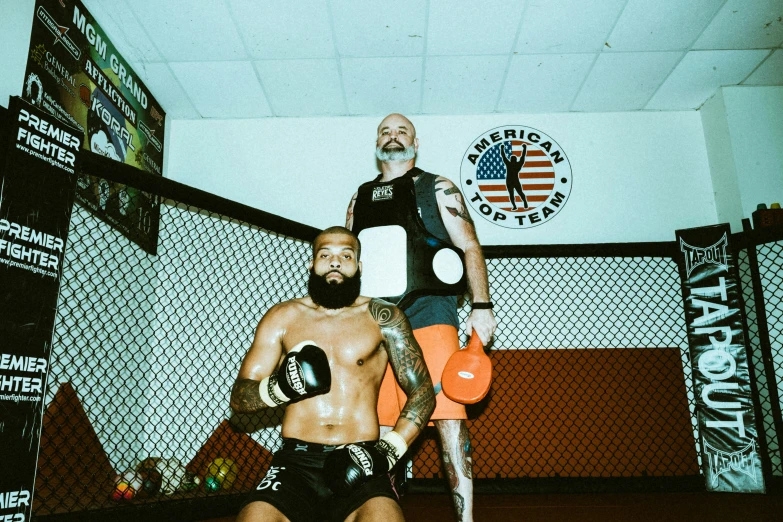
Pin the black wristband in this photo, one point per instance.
(483, 306)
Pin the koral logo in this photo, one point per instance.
(382, 193)
(697, 256)
(516, 176)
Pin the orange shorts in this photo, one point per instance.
(438, 342)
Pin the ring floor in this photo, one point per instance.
(653, 507)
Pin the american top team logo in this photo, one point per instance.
(516, 177)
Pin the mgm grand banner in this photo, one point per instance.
(718, 347)
(38, 164)
(76, 74)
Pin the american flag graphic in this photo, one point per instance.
(537, 176)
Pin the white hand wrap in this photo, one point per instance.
(397, 446)
(271, 395)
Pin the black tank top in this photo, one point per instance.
(429, 310)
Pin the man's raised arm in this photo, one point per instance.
(407, 362)
(260, 384)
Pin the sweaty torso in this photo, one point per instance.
(357, 357)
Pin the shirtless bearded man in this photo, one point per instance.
(325, 355)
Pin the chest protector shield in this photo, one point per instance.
(401, 260)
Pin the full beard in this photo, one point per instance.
(408, 153)
(334, 295)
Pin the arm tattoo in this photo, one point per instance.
(460, 210)
(349, 213)
(245, 397)
(440, 188)
(407, 362)
(451, 190)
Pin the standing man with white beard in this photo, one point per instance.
(434, 318)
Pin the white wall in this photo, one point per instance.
(743, 129)
(755, 117)
(636, 176)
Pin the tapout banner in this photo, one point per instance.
(39, 159)
(717, 340)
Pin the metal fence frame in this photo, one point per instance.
(764, 350)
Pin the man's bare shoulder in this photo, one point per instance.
(386, 314)
(287, 309)
(442, 179)
(444, 186)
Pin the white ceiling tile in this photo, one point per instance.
(544, 82)
(462, 84)
(624, 81)
(744, 24)
(769, 73)
(222, 89)
(190, 31)
(662, 25)
(567, 26)
(124, 30)
(454, 28)
(366, 28)
(382, 85)
(699, 74)
(270, 30)
(165, 88)
(302, 87)
(312, 56)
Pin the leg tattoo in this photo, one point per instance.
(455, 444)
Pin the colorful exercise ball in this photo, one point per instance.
(127, 485)
(221, 474)
(212, 484)
(151, 481)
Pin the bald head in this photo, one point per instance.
(338, 235)
(397, 121)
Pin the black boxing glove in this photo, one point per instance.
(351, 465)
(304, 373)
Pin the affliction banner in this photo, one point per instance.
(76, 74)
(38, 160)
(721, 379)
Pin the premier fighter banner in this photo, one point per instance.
(75, 73)
(721, 379)
(38, 165)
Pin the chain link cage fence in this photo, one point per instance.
(761, 272)
(592, 384)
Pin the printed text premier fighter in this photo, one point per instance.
(49, 147)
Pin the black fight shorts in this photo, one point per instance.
(295, 485)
